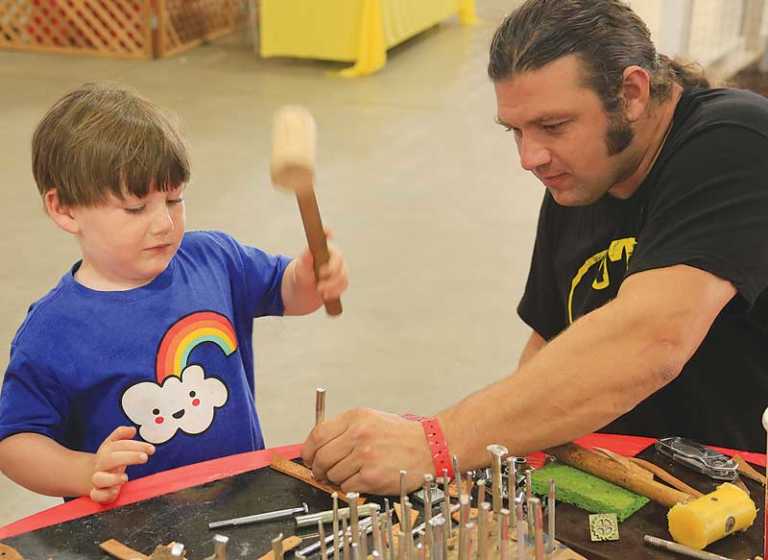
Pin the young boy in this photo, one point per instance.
(140, 359)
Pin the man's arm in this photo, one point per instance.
(601, 367)
(535, 343)
(596, 370)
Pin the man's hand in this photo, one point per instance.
(363, 450)
(333, 274)
(114, 454)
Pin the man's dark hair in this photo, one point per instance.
(605, 34)
(104, 138)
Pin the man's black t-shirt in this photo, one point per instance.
(704, 204)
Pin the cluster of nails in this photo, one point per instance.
(494, 532)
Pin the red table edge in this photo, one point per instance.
(216, 469)
(151, 486)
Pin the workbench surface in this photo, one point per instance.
(183, 516)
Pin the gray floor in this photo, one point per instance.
(422, 189)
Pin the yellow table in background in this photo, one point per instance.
(358, 31)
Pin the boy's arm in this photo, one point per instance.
(42, 465)
(301, 294)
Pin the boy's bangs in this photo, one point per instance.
(154, 161)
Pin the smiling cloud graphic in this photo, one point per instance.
(183, 398)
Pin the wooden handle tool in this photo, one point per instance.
(747, 470)
(607, 469)
(8, 553)
(293, 168)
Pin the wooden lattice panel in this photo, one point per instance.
(186, 23)
(115, 28)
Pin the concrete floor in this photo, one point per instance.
(422, 189)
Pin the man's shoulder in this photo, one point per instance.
(703, 109)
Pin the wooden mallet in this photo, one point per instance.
(293, 168)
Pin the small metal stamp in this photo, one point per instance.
(603, 527)
(436, 494)
(319, 405)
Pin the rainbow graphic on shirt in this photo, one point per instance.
(188, 333)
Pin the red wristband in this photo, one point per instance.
(438, 448)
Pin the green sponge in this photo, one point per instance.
(586, 491)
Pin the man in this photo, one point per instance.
(647, 289)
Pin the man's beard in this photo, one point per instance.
(619, 134)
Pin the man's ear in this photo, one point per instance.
(635, 92)
(61, 215)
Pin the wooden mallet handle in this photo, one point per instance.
(293, 168)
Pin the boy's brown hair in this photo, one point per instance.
(104, 138)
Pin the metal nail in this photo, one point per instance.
(311, 519)
(480, 492)
(538, 526)
(345, 539)
(497, 453)
(259, 517)
(522, 542)
(354, 519)
(511, 484)
(428, 478)
(551, 503)
(321, 536)
(504, 532)
(335, 497)
(319, 405)
(482, 530)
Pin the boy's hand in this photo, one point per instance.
(114, 454)
(333, 274)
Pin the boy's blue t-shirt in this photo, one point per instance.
(173, 358)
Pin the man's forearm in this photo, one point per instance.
(598, 369)
(41, 465)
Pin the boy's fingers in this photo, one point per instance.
(102, 480)
(106, 495)
(121, 433)
(132, 445)
(122, 459)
